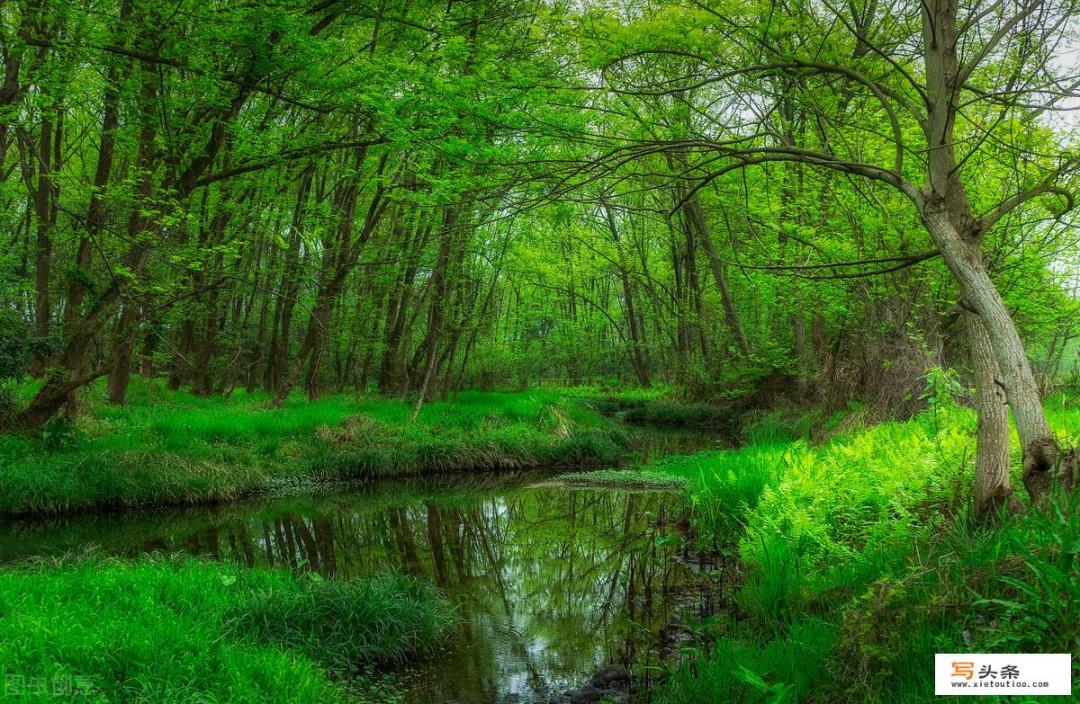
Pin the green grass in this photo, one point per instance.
(726, 483)
(169, 447)
(628, 478)
(860, 561)
(755, 669)
(181, 630)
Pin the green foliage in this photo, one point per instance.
(164, 630)
(970, 587)
(867, 540)
(726, 484)
(14, 347)
(18, 346)
(842, 509)
(344, 623)
(429, 191)
(176, 448)
(1040, 602)
(769, 670)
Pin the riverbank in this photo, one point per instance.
(173, 448)
(177, 629)
(849, 554)
(860, 560)
(619, 479)
(520, 564)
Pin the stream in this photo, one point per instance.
(552, 583)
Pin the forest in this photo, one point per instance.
(538, 351)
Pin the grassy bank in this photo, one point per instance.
(169, 447)
(164, 630)
(860, 561)
(623, 479)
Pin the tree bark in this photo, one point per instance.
(437, 310)
(138, 222)
(43, 209)
(1038, 445)
(96, 209)
(992, 490)
(288, 288)
(123, 351)
(338, 261)
(638, 354)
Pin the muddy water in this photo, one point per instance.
(551, 582)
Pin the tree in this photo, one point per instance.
(946, 110)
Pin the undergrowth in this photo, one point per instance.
(659, 405)
(861, 561)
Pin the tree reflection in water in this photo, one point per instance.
(551, 582)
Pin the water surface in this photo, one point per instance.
(551, 582)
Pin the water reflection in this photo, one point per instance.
(551, 582)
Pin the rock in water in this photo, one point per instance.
(610, 674)
(586, 695)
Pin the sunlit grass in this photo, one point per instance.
(860, 560)
(168, 447)
(180, 630)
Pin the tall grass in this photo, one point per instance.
(861, 560)
(727, 484)
(169, 447)
(181, 630)
(751, 669)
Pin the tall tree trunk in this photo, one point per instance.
(638, 357)
(138, 222)
(391, 375)
(123, 350)
(43, 199)
(437, 309)
(958, 234)
(696, 216)
(288, 288)
(992, 490)
(96, 210)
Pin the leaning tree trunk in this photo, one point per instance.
(958, 234)
(316, 328)
(70, 373)
(437, 311)
(1038, 445)
(992, 490)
